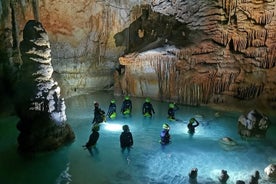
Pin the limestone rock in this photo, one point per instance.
(40, 107)
(270, 171)
(254, 124)
(226, 49)
(228, 141)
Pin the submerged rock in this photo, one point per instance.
(254, 124)
(39, 105)
(228, 141)
(270, 171)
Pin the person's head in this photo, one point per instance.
(112, 101)
(193, 173)
(127, 97)
(147, 100)
(224, 172)
(125, 128)
(240, 182)
(192, 120)
(257, 174)
(96, 104)
(166, 126)
(96, 128)
(171, 105)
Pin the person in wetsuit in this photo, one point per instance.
(191, 125)
(126, 106)
(171, 111)
(126, 139)
(165, 135)
(223, 177)
(99, 114)
(93, 138)
(147, 109)
(111, 113)
(193, 176)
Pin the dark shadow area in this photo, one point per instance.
(152, 30)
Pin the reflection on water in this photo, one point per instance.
(147, 162)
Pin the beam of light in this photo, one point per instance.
(114, 127)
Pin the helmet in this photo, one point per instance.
(127, 98)
(112, 101)
(171, 105)
(166, 126)
(147, 99)
(192, 120)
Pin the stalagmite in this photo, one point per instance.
(40, 107)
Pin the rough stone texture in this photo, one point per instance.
(253, 124)
(225, 50)
(230, 55)
(270, 171)
(84, 55)
(40, 107)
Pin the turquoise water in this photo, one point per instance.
(148, 162)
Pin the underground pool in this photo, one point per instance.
(148, 162)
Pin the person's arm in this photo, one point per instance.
(131, 139)
(197, 123)
(121, 140)
(176, 107)
(130, 106)
(152, 109)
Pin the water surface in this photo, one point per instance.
(148, 162)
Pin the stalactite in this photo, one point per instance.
(249, 92)
(14, 26)
(271, 55)
(35, 6)
(239, 42)
(256, 37)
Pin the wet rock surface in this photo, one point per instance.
(39, 105)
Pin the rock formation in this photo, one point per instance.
(227, 54)
(254, 124)
(40, 107)
(219, 51)
(270, 171)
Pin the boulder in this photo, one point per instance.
(270, 171)
(228, 141)
(254, 124)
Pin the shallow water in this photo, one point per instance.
(148, 162)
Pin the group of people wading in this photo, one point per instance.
(126, 138)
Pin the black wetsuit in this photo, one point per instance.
(148, 108)
(111, 109)
(98, 115)
(171, 112)
(165, 137)
(126, 140)
(127, 104)
(93, 138)
(191, 127)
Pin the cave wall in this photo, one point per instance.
(224, 50)
(84, 54)
(229, 57)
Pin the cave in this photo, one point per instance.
(210, 57)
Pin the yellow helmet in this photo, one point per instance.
(192, 120)
(166, 126)
(171, 105)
